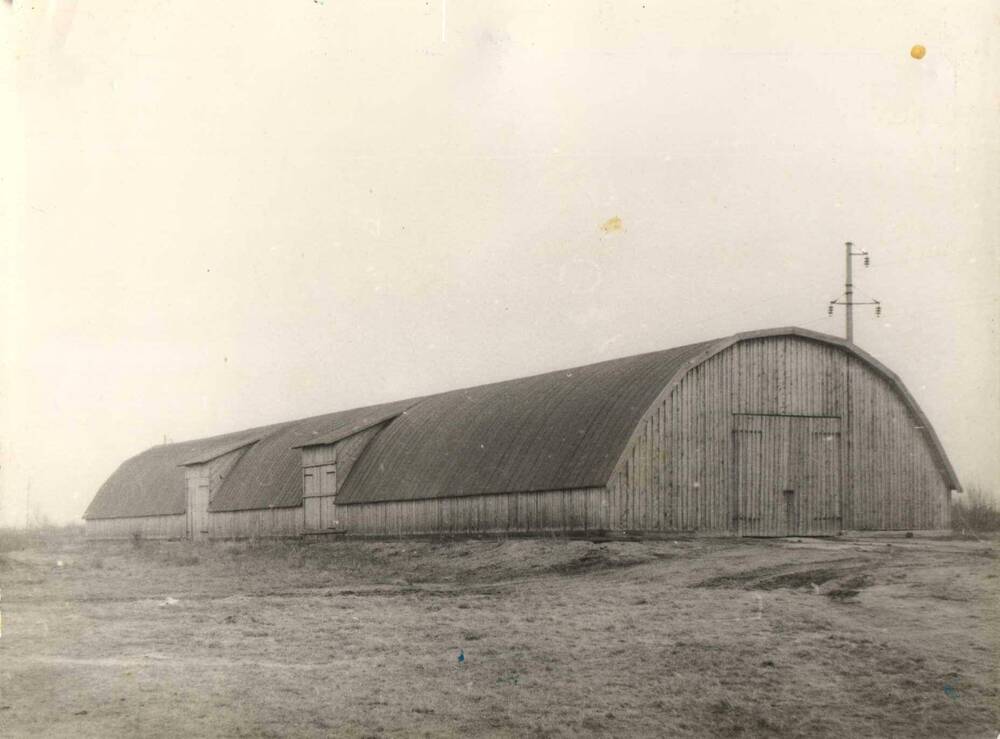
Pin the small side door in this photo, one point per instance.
(328, 492)
(198, 493)
(311, 501)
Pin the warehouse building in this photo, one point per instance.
(768, 433)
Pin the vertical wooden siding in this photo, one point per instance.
(146, 527)
(678, 473)
(895, 482)
(319, 492)
(256, 523)
(554, 510)
(787, 474)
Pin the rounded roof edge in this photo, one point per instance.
(943, 463)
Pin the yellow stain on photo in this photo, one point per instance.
(612, 224)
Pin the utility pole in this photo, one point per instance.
(847, 299)
(849, 293)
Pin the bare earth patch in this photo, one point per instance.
(694, 637)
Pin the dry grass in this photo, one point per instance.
(14, 539)
(561, 638)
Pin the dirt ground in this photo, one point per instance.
(859, 637)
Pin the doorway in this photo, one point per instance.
(319, 496)
(198, 495)
(786, 475)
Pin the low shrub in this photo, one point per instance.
(975, 511)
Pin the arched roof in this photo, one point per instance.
(561, 430)
(554, 431)
(268, 475)
(152, 483)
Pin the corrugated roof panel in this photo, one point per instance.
(152, 483)
(559, 430)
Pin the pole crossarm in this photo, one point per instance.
(842, 301)
(847, 299)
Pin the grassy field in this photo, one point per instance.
(693, 637)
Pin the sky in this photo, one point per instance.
(220, 215)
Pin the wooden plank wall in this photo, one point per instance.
(314, 456)
(555, 510)
(677, 475)
(895, 482)
(774, 454)
(256, 523)
(818, 511)
(147, 527)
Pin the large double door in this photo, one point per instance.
(319, 497)
(787, 474)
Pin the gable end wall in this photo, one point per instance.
(677, 471)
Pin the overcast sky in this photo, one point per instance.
(219, 215)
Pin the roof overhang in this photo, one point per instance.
(218, 451)
(340, 434)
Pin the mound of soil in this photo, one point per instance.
(851, 579)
